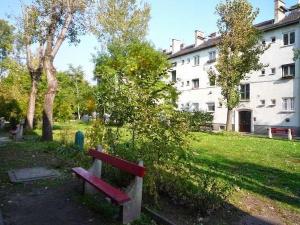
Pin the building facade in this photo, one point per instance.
(269, 98)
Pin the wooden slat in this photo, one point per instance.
(122, 164)
(115, 194)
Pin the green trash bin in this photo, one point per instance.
(79, 140)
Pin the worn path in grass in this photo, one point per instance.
(46, 202)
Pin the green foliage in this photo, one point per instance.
(296, 54)
(122, 21)
(14, 88)
(6, 42)
(199, 120)
(239, 48)
(74, 95)
(132, 90)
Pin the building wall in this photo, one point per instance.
(262, 87)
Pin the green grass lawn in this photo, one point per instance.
(259, 167)
(268, 168)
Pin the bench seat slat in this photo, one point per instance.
(119, 163)
(115, 194)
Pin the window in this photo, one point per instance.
(174, 64)
(188, 83)
(262, 102)
(273, 102)
(188, 60)
(245, 91)
(211, 107)
(196, 60)
(174, 76)
(195, 107)
(273, 70)
(182, 84)
(182, 62)
(263, 72)
(195, 83)
(212, 56)
(273, 39)
(220, 104)
(263, 42)
(288, 104)
(289, 38)
(288, 70)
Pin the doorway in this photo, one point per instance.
(245, 121)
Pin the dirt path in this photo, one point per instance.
(48, 206)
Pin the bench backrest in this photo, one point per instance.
(121, 164)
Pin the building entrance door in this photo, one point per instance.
(245, 121)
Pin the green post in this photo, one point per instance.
(79, 140)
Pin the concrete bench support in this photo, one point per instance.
(129, 210)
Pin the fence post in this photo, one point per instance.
(290, 137)
(270, 132)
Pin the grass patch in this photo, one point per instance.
(269, 168)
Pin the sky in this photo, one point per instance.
(169, 19)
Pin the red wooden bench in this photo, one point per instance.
(282, 131)
(130, 200)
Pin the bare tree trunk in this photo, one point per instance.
(47, 134)
(229, 120)
(31, 104)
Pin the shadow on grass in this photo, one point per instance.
(267, 181)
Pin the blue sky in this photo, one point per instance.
(169, 19)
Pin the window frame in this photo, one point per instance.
(196, 60)
(245, 91)
(172, 76)
(193, 83)
(287, 37)
(213, 104)
(289, 69)
(288, 104)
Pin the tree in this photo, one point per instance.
(53, 22)
(74, 94)
(133, 92)
(6, 42)
(122, 20)
(29, 37)
(239, 50)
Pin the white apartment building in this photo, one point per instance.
(269, 98)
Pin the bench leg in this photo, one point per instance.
(131, 210)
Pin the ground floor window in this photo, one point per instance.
(288, 104)
(211, 107)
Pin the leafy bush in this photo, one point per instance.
(199, 121)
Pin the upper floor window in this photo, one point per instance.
(188, 60)
(182, 62)
(212, 56)
(196, 60)
(289, 38)
(288, 104)
(174, 78)
(188, 83)
(288, 70)
(245, 91)
(263, 72)
(195, 83)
